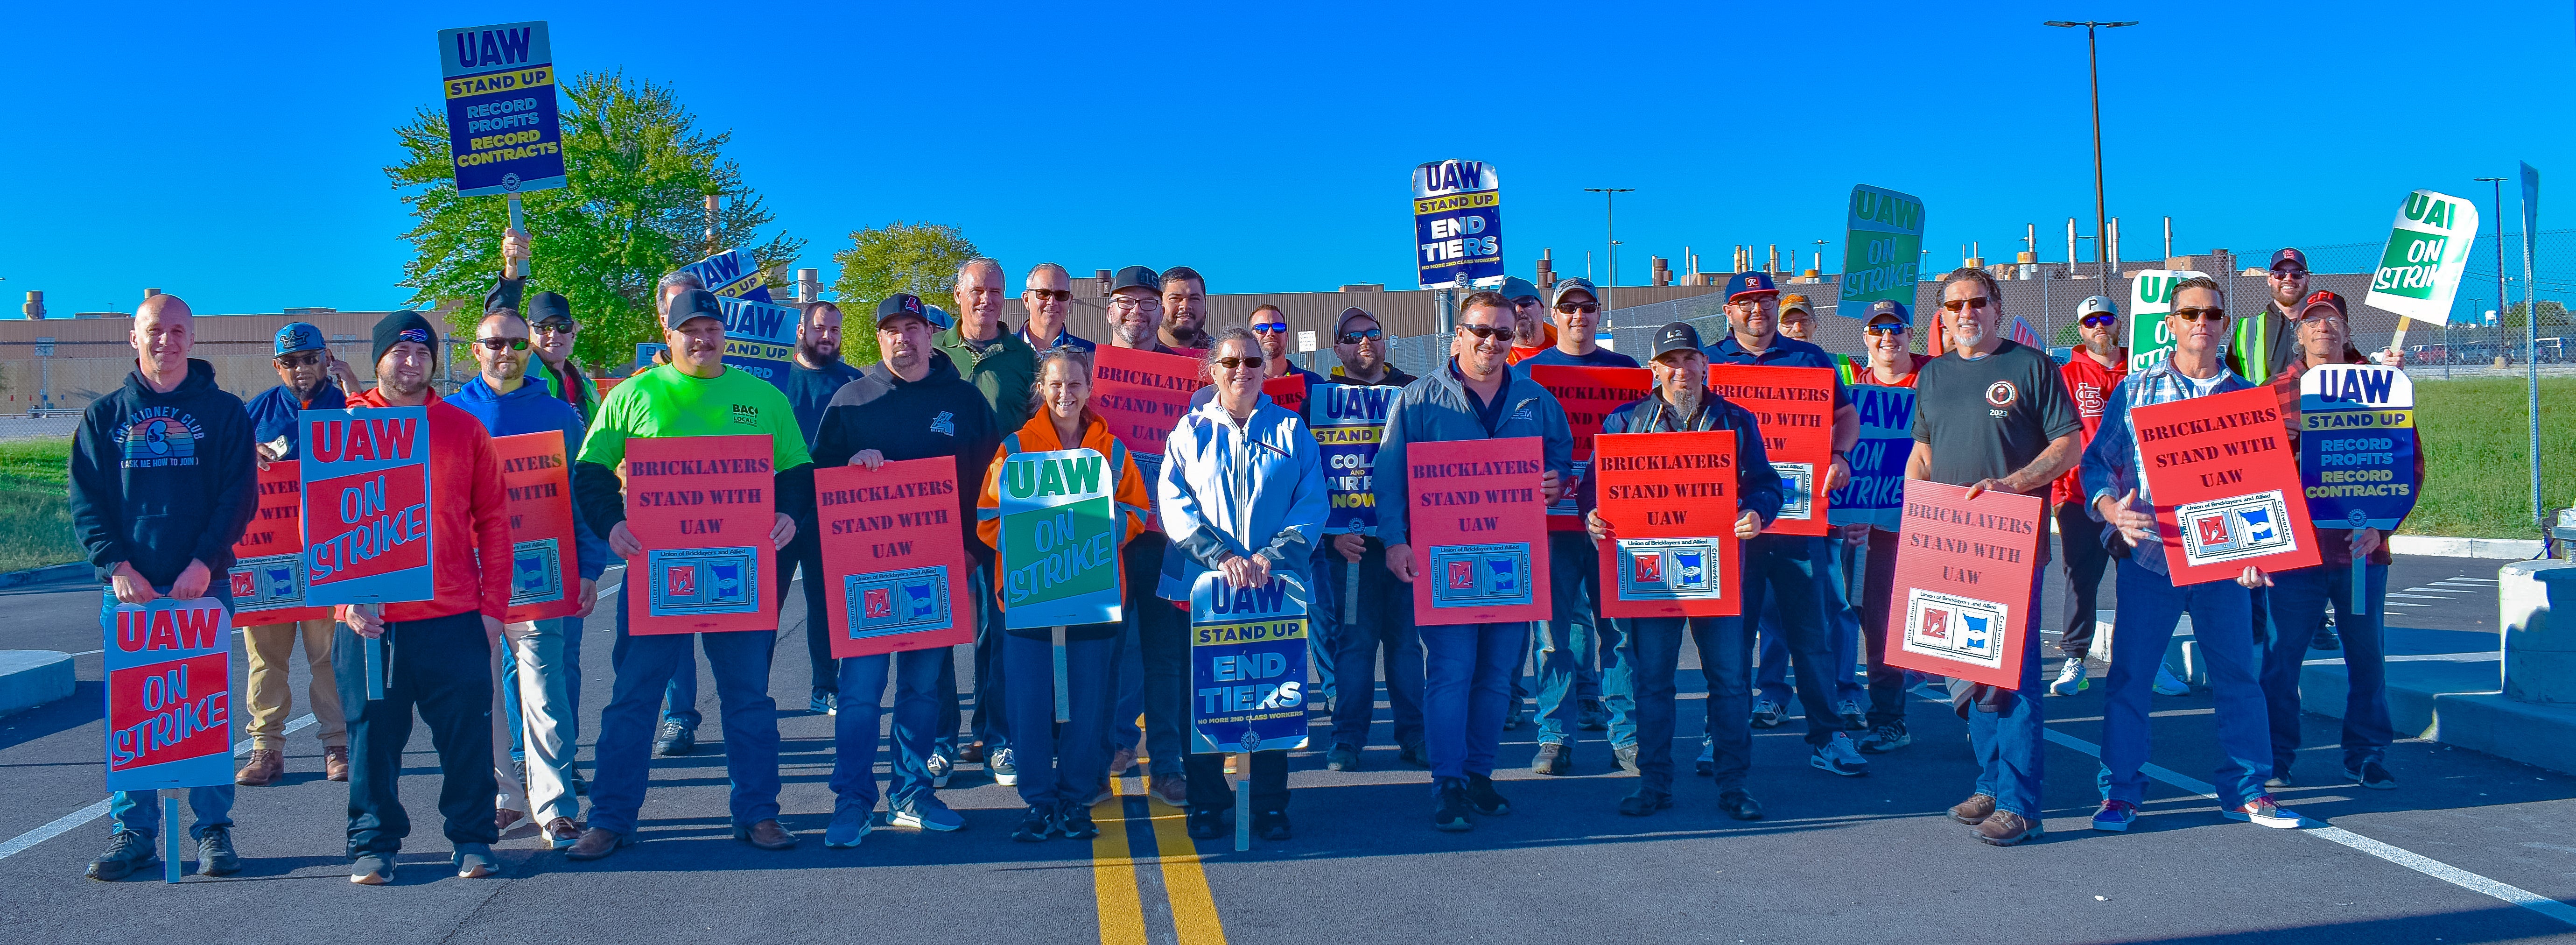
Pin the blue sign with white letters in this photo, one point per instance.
(1247, 664)
(1457, 222)
(502, 131)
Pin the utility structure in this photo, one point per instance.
(2093, 62)
(1610, 223)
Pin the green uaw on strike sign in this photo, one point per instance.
(1059, 539)
(2419, 270)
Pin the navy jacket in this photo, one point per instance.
(1757, 485)
(810, 391)
(939, 415)
(274, 411)
(1439, 409)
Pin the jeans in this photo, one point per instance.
(680, 695)
(1153, 664)
(1785, 570)
(862, 686)
(534, 713)
(2011, 744)
(1047, 778)
(1878, 588)
(270, 648)
(2080, 541)
(443, 668)
(805, 554)
(1377, 634)
(2299, 600)
(1571, 646)
(990, 724)
(644, 666)
(139, 812)
(1466, 683)
(1725, 662)
(1773, 685)
(2221, 621)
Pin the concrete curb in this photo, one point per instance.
(54, 572)
(31, 678)
(2499, 549)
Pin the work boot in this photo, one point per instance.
(263, 768)
(1974, 810)
(2004, 828)
(335, 763)
(1552, 758)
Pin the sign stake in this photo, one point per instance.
(375, 665)
(2361, 584)
(170, 871)
(1243, 806)
(1063, 692)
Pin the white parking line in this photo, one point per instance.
(2398, 855)
(73, 821)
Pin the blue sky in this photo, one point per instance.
(235, 157)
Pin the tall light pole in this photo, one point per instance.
(2499, 248)
(2093, 60)
(1610, 223)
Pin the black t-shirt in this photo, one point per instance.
(1988, 418)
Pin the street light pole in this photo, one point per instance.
(2093, 61)
(1610, 223)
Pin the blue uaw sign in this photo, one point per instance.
(1457, 222)
(1876, 493)
(500, 91)
(2357, 445)
(760, 338)
(731, 274)
(1347, 420)
(1247, 665)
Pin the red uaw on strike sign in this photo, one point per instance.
(366, 505)
(1794, 406)
(2225, 485)
(1963, 580)
(1588, 395)
(268, 562)
(1479, 531)
(1670, 497)
(896, 553)
(703, 507)
(169, 694)
(1142, 396)
(545, 578)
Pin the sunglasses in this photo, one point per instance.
(1364, 334)
(1579, 308)
(1484, 332)
(2290, 274)
(2197, 314)
(557, 328)
(1885, 328)
(2092, 320)
(1232, 364)
(496, 344)
(305, 359)
(1977, 304)
(1272, 328)
(1053, 295)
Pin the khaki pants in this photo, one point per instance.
(272, 701)
(544, 712)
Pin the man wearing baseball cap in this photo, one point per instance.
(1798, 320)
(2090, 374)
(1772, 687)
(1795, 572)
(694, 395)
(307, 368)
(1683, 402)
(1887, 327)
(549, 316)
(1152, 670)
(1531, 331)
(1136, 312)
(1358, 645)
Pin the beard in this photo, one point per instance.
(819, 352)
(1133, 333)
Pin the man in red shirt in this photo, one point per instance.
(2090, 373)
(438, 652)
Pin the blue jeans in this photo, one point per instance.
(1153, 664)
(916, 708)
(139, 812)
(1725, 659)
(990, 724)
(2011, 744)
(1466, 684)
(1785, 570)
(680, 695)
(1572, 645)
(2299, 600)
(1377, 634)
(1842, 622)
(2221, 621)
(644, 668)
(1048, 778)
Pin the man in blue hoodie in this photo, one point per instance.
(162, 484)
(547, 653)
(307, 368)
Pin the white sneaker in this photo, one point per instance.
(2070, 678)
(2168, 684)
(1839, 757)
(940, 767)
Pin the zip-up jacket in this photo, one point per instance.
(1757, 485)
(528, 409)
(1127, 485)
(939, 415)
(159, 479)
(273, 413)
(1003, 369)
(470, 522)
(2114, 464)
(1251, 489)
(1439, 408)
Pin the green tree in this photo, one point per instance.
(2552, 315)
(637, 173)
(920, 258)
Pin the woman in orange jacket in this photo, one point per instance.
(1061, 574)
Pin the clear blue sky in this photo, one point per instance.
(236, 158)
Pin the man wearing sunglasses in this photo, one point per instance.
(1796, 572)
(1047, 293)
(2090, 374)
(549, 316)
(307, 368)
(1531, 331)
(1270, 327)
(2150, 604)
(1360, 344)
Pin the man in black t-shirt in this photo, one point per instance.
(1993, 414)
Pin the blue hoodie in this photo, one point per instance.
(530, 409)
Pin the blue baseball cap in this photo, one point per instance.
(1750, 283)
(299, 336)
(1889, 308)
(1517, 288)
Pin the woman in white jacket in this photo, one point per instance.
(1241, 492)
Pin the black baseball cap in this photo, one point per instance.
(2287, 254)
(1677, 336)
(548, 308)
(695, 303)
(1345, 321)
(901, 305)
(1137, 277)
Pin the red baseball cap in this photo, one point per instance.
(2323, 297)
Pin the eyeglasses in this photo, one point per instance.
(1483, 332)
(496, 344)
(301, 359)
(1052, 295)
(1579, 308)
(1957, 305)
(2197, 314)
(1364, 334)
(1232, 364)
(1885, 328)
(2290, 274)
(557, 328)
(1272, 328)
(1135, 304)
(2103, 319)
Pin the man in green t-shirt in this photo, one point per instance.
(694, 395)
(987, 352)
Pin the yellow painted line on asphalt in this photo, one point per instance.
(1194, 918)
(1113, 874)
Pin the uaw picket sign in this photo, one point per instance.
(1875, 495)
(2150, 299)
(894, 551)
(1882, 248)
(703, 508)
(1965, 568)
(1670, 499)
(365, 480)
(502, 130)
(1347, 420)
(169, 694)
(2357, 445)
(2427, 252)
(267, 575)
(1247, 665)
(1479, 530)
(1794, 409)
(1060, 531)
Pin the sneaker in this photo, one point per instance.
(2005, 828)
(2281, 780)
(999, 765)
(1342, 758)
(1739, 805)
(940, 769)
(126, 855)
(1591, 717)
(1768, 714)
(1413, 755)
(2372, 775)
(1036, 824)
(1482, 796)
(1119, 762)
(1074, 821)
(1974, 810)
(849, 826)
(675, 739)
(1171, 789)
(1884, 739)
(1706, 764)
(1271, 825)
(1853, 718)
(475, 861)
(262, 768)
(2115, 816)
(1839, 757)
(1645, 803)
(1552, 758)
(1449, 806)
(2070, 678)
(1626, 755)
(215, 856)
(926, 813)
(2168, 684)
(2326, 641)
(2264, 811)
(824, 703)
(1208, 823)
(371, 869)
